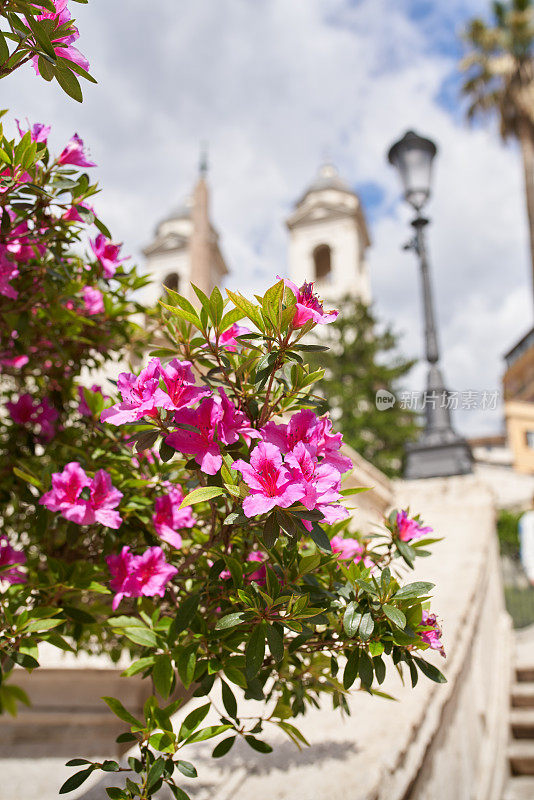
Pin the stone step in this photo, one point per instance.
(521, 757)
(64, 733)
(522, 723)
(520, 788)
(524, 674)
(523, 695)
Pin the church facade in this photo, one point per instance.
(328, 240)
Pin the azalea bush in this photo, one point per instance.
(190, 516)
(204, 529)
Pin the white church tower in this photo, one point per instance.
(186, 248)
(328, 238)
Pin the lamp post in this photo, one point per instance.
(440, 451)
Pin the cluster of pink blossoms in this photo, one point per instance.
(298, 461)
(62, 45)
(135, 576)
(409, 528)
(308, 306)
(10, 560)
(432, 636)
(107, 254)
(67, 497)
(39, 416)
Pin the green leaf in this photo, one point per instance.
(40, 625)
(193, 720)
(257, 744)
(24, 660)
(178, 793)
(163, 675)
(275, 640)
(249, 310)
(230, 620)
(320, 538)
(25, 476)
(138, 666)
(430, 670)
(365, 669)
(255, 650)
(367, 626)
(271, 531)
(201, 495)
(186, 665)
(351, 669)
(187, 769)
(154, 774)
(184, 615)
(4, 49)
(380, 669)
(235, 676)
(142, 636)
(395, 615)
(207, 733)
(166, 452)
(70, 84)
(114, 793)
(223, 747)
(76, 780)
(120, 712)
(416, 589)
(351, 619)
(229, 701)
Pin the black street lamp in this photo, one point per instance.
(440, 451)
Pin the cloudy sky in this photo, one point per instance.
(274, 85)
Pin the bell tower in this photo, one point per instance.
(186, 247)
(328, 238)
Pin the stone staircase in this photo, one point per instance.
(521, 746)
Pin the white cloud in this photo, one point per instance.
(271, 84)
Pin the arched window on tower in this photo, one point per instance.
(322, 262)
(172, 281)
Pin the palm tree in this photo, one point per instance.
(500, 80)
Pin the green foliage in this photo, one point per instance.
(359, 360)
(508, 532)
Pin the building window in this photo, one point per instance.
(530, 439)
(322, 262)
(172, 281)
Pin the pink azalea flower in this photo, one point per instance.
(200, 442)
(180, 385)
(169, 518)
(10, 559)
(350, 550)
(62, 45)
(83, 408)
(432, 636)
(8, 272)
(234, 423)
(306, 427)
(93, 300)
(40, 415)
(65, 495)
(409, 528)
(269, 481)
(227, 339)
(320, 482)
(74, 153)
(38, 131)
(102, 500)
(120, 567)
(107, 254)
(309, 307)
(16, 361)
(135, 576)
(141, 396)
